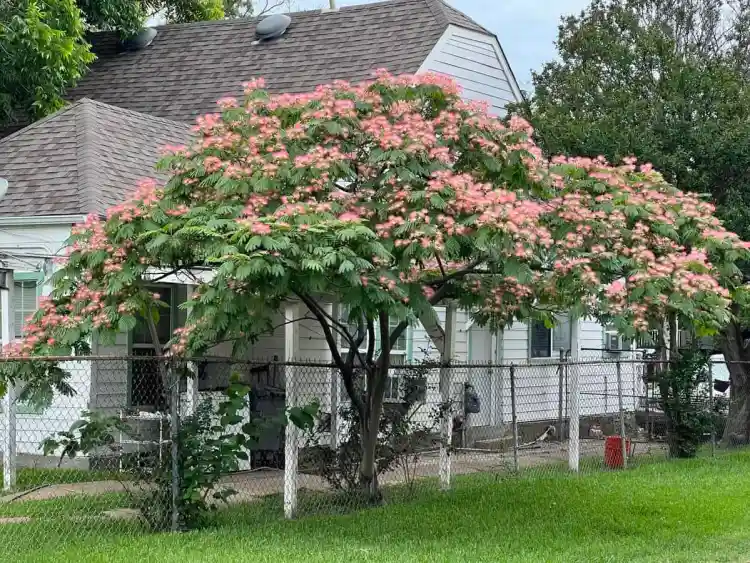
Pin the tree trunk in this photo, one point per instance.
(737, 356)
(370, 427)
(368, 477)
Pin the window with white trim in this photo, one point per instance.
(398, 356)
(25, 295)
(547, 342)
(399, 348)
(27, 288)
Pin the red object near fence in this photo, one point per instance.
(613, 451)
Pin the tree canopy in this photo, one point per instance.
(665, 81)
(390, 198)
(662, 80)
(42, 51)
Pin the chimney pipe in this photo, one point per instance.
(332, 4)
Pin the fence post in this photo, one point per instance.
(514, 417)
(574, 429)
(334, 391)
(446, 431)
(711, 406)
(9, 401)
(291, 342)
(192, 393)
(561, 374)
(623, 432)
(334, 409)
(174, 434)
(9, 439)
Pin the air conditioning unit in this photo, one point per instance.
(615, 343)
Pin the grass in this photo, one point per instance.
(682, 511)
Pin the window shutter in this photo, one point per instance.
(561, 333)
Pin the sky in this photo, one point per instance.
(526, 28)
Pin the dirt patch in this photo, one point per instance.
(252, 485)
(57, 491)
(122, 514)
(15, 520)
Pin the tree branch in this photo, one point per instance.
(346, 371)
(385, 337)
(356, 342)
(370, 341)
(457, 274)
(440, 264)
(320, 317)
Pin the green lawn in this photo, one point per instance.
(688, 511)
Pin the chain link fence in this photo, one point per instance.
(137, 442)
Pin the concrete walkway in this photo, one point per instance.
(252, 485)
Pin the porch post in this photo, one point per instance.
(9, 401)
(291, 446)
(446, 430)
(192, 395)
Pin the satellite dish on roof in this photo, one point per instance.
(3, 187)
(273, 26)
(140, 40)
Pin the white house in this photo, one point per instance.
(90, 154)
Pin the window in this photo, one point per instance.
(351, 327)
(146, 388)
(399, 348)
(547, 342)
(392, 388)
(404, 386)
(25, 295)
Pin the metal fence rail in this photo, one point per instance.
(111, 451)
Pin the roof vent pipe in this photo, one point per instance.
(331, 7)
(139, 41)
(272, 27)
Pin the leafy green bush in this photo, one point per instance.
(684, 398)
(401, 437)
(208, 449)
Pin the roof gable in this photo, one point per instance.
(82, 159)
(455, 17)
(189, 66)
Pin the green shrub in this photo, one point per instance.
(684, 398)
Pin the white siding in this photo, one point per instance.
(110, 378)
(30, 249)
(461, 346)
(32, 428)
(476, 62)
(591, 338)
(516, 343)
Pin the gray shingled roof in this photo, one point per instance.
(189, 66)
(89, 155)
(82, 159)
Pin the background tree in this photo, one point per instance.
(257, 8)
(667, 82)
(42, 50)
(389, 198)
